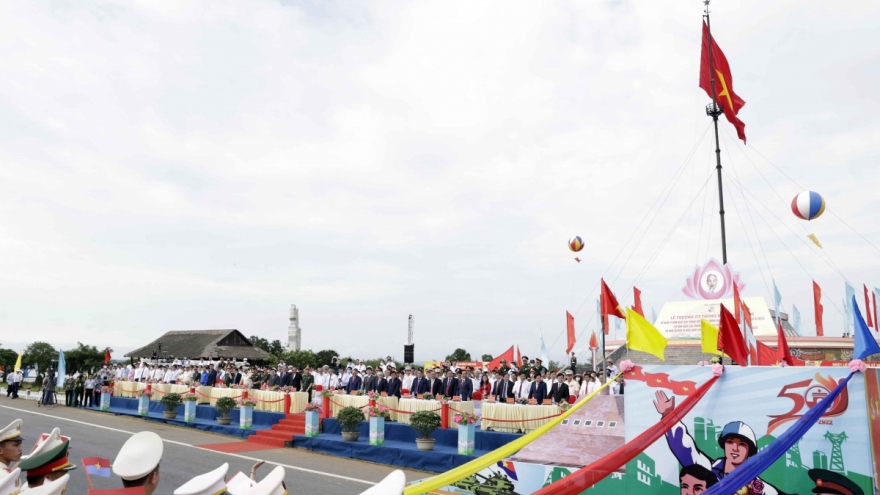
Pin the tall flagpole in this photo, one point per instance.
(714, 111)
(604, 357)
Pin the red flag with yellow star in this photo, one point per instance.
(729, 102)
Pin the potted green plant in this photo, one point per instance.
(349, 419)
(223, 406)
(171, 401)
(425, 422)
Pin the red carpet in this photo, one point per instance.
(280, 435)
(233, 447)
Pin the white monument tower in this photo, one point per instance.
(294, 333)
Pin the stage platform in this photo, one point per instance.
(205, 417)
(400, 446)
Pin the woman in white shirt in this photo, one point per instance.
(575, 387)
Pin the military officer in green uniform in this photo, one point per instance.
(503, 369)
(308, 382)
(539, 367)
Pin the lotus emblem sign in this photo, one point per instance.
(712, 281)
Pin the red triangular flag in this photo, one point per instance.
(747, 315)
(730, 340)
(782, 351)
(594, 342)
(868, 307)
(737, 304)
(766, 355)
(569, 324)
(106, 356)
(637, 298)
(610, 306)
(508, 355)
(817, 307)
(877, 320)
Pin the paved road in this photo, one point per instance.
(96, 434)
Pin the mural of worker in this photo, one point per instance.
(737, 440)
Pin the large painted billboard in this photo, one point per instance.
(747, 409)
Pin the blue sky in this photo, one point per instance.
(191, 165)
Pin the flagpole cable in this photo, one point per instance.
(663, 243)
(754, 227)
(828, 262)
(656, 211)
(664, 196)
(668, 236)
(804, 228)
(786, 246)
(751, 246)
(702, 222)
(673, 182)
(826, 207)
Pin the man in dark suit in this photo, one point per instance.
(296, 379)
(236, 378)
(538, 390)
(273, 379)
(559, 390)
(369, 381)
(419, 384)
(381, 383)
(450, 385)
(503, 389)
(465, 386)
(435, 384)
(284, 376)
(394, 385)
(355, 382)
(212, 376)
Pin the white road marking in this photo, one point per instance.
(183, 444)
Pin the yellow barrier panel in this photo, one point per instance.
(498, 454)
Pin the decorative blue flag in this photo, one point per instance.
(654, 315)
(865, 344)
(62, 370)
(847, 308)
(777, 302)
(796, 322)
(544, 352)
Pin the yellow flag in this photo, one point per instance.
(18, 363)
(709, 337)
(815, 240)
(642, 336)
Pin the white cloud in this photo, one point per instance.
(203, 165)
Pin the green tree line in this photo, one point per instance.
(82, 358)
